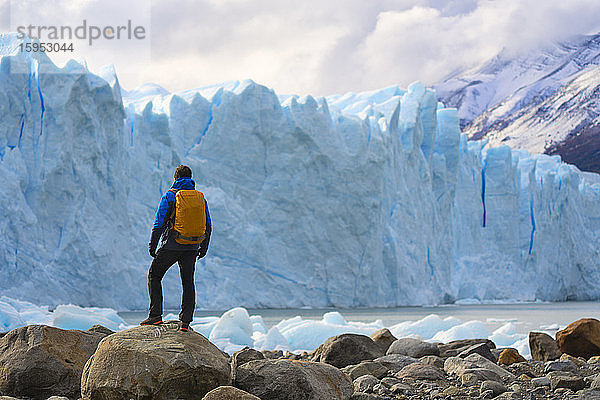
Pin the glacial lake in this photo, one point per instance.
(526, 317)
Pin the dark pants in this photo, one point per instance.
(162, 262)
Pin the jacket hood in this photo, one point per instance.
(184, 184)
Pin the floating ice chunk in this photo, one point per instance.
(425, 328)
(467, 330)
(204, 325)
(506, 336)
(258, 325)
(334, 318)
(273, 340)
(74, 317)
(307, 335)
(235, 327)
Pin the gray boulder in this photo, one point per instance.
(395, 362)
(39, 361)
(157, 362)
(560, 366)
(365, 383)
(243, 356)
(293, 380)
(228, 393)
(480, 348)
(413, 348)
(349, 349)
(543, 347)
(566, 380)
(377, 369)
(496, 387)
(455, 347)
(457, 365)
(383, 338)
(421, 371)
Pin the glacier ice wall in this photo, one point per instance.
(369, 199)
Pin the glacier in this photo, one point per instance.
(370, 199)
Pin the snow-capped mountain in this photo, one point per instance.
(538, 101)
(363, 199)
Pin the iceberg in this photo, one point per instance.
(373, 199)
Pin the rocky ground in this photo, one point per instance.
(160, 362)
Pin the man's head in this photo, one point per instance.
(183, 171)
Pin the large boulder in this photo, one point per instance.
(228, 393)
(581, 338)
(349, 349)
(293, 380)
(39, 361)
(384, 338)
(395, 362)
(413, 348)
(422, 372)
(543, 347)
(154, 362)
(458, 366)
(455, 347)
(377, 369)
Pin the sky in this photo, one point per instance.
(305, 47)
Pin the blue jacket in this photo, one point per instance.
(161, 230)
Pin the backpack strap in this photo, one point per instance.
(172, 214)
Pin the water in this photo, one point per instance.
(526, 317)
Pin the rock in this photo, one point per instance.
(578, 361)
(510, 356)
(433, 360)
(228, 393)
(157, 362)
(452, 349)
(395, 362)
(365, 383)
(365, 396)
(40, 361)
(390, 381)
(594, 360)
(413, 348)
(451, 391)
(473, 376)
(562, 380)
(543, 347)
(101, 329)
(374, 368)
(383, 338)
(588, 394)
(560, 366)
(542, 381)
(421, 371)
(241, 357)
(401, 389)
(509, 396)
(348, 349)
(480, 348)
(274, 354)
(56, 397)
(458, 365)
(495, 386)
(293, 380)
(581, 338)
(596, 383)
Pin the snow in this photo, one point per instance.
(369, 199)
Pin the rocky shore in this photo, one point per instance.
(160, 362)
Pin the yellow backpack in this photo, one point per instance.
(189, 222)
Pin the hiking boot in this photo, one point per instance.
(185, 327)
(152, 321)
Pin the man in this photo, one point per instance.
(181, 210)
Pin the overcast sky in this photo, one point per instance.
(318, 47)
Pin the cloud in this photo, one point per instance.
(325, 47)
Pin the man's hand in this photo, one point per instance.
(202, 252)
(152, 251)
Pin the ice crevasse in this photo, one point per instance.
(358, 200)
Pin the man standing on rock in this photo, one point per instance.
(183, 227)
